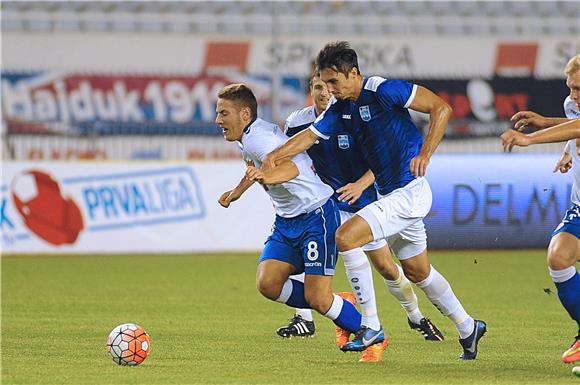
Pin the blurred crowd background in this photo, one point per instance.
(138, 80)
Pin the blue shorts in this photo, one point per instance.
(570, 223)
(306, 241)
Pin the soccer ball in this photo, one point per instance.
(128, 344)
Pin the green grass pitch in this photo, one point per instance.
(209, 325)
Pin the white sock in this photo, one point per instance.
(360, 277)
(559, 276)
(441, 295)
(335, 308)
(402, 290)
(306, 314)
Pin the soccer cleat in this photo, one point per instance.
(374, 352)
(298, 327)
(470, 343)
(573, 353)
(364, 338)
(426, 327)
(342, 336)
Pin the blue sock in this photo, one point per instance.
(349, 318)
(344, 314)
(293, 294)
(569, 293)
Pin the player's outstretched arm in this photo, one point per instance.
(295, 145)
(524, 120)
(352, 191)
(564, 164)
(439, 114)
(284, 171)
(559, 133)
(235, 194)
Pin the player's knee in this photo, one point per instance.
(559, 258)
(268, 287)
(344, 241)
(416, 273)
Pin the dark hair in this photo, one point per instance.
(337, 56)
(242, 95)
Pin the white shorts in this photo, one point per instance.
(373, 245)
(398, 218)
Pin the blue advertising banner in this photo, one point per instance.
(495, 201)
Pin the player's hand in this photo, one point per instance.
(528, 119)
(254, 173)
(227, 198)
(564, 164)
(350, 193)
(419, 165)
(512, 138)
(268, 162)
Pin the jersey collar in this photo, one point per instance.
(247, 128)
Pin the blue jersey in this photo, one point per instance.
(338, 161)
(380, 122)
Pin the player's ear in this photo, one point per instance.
(246, 113)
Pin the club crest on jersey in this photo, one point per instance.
(343, 143)
(365, 113)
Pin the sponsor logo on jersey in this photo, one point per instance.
(365, 113)
(346, 116)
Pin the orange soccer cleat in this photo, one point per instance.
(342, 336)
(374, 352)
(573, 353)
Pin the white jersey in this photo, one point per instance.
(298, 196)
(572, 112)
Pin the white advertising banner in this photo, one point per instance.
(391, 56)
(57, 207)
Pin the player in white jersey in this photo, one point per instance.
(302, 238)
(564, 248)
(340, 164)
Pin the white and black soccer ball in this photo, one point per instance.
(128, 344)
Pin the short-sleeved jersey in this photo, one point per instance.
(298, 196)
(338, 160)
(379, 121)
(572, 112)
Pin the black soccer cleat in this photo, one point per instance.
(298, 327)
(427, 329)
(470, 343)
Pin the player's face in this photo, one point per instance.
(573, 82)
(339, 85)
(319, 93)
(231, 119)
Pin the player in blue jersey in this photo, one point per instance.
(375, 111)
(302, 238)
(564, 248)
(340, 164)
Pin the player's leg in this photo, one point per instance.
(350, 236)
(563, 253)
(302, 323)
(360, 277)
(319, 255)
(278, 261)
(400, 287)
(411, 248)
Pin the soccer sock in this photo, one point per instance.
(292, 294)
(360, 278)
(402, 290)
(344, 314)
(441, 295)
(567, 283)
(306, 314)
